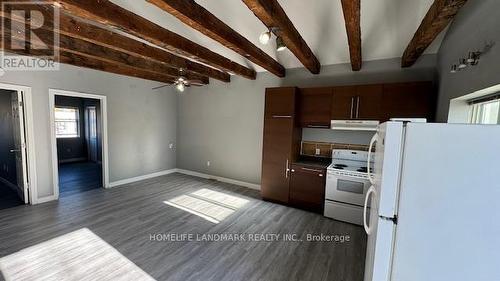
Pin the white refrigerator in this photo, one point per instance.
(435, 209)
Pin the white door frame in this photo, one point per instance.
(53, 139)
(29, 137)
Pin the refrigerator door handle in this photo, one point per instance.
(368, 165)
(365, 209)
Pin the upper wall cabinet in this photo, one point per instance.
(318, 106)
(409, 100)
(343, 103)
(280, 102)
(368, 102)
(315, 107)
(356, 102)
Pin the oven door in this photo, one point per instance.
(346, 189)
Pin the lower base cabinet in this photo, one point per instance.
(307, 187)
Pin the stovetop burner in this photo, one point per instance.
(364, 170)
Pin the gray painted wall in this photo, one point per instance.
(223, 123)
(7, 159)
(476, 24)
(141, 121)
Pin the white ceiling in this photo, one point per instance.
(387, 27)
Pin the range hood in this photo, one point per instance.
(354, 125)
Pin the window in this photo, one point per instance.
(67, 122)
(486, 112)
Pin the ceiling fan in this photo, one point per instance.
(181, 83)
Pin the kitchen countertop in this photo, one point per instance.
(321, 163)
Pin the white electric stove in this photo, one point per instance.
(346, 186)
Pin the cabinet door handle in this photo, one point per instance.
(287, 169)
(357, 107)
(282, 116)
(319, 126)
(352, 108)
(320, 175)
(311, 170)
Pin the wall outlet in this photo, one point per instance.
(208, 163)
(171, 146)
(318, 151)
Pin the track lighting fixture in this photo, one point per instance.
(280, 45)
(265, 37)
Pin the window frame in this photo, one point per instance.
(77, 120)
(476, 111)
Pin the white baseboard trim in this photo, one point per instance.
(140, 178)
(222, 179)
(45, 199)
(9, 184)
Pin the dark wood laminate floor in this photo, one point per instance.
(126, 216)
(79, 177)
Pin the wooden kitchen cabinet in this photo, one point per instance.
(369, 102)
(307, 187)
(409, 100)
(281, 143)
(343, 102)
(280, 102)
(315, 107)
(357, 102)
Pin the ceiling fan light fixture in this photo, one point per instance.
(265, 37)
(180, 87)
(280, 45)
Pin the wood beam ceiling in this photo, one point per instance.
(110, 14)
(86, 62)
(273, 16)
(352, 18)
(440, 14)
(88, 49)
(91, 33)
(197, 17)
(78, 29)
(82, 53)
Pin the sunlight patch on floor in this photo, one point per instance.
(210, 205)
(79, 255)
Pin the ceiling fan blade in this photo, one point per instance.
(161, 87)
(196, 82)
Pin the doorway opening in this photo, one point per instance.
(78, 122)
(14, 178)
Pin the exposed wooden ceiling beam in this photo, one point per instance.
(78, 29)
(352, 18)
(199, 18)
(85, 48)
(107, 13)
(440, 14)
(82, 61)
(93, 54)
(273, 16)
